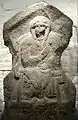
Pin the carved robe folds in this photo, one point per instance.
(37, 87)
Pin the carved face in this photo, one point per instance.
(40, 27)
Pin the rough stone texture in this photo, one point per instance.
(36, 87)
(70, 57)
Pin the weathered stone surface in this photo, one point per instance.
(69, 57)
(37, 87)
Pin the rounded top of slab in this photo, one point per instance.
(40, 8)
(19, 24)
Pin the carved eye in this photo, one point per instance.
(36, 26)
(33, 27)
(42, 25)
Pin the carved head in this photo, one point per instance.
(40, 28)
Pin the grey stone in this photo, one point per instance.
(37, 87)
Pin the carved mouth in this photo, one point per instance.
(40, 34)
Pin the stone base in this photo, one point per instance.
(38, 109)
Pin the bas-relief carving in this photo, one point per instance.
(37, 78)
(35, 59)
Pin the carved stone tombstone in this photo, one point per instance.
(37, 87)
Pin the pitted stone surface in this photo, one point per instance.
(37, 87)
